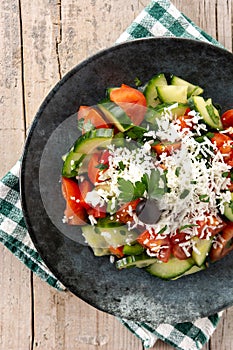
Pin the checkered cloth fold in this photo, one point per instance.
(159, 18)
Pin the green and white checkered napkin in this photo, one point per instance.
(159, 18)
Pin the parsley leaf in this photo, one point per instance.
(126, 189)
(139, 189)
(155, 190)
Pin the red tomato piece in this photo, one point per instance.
(118, 251)
(93, 116)
(187, 111)
(210, 227)
(72, 218)
(97, 211)
(131, 100)
(185, 122)
(94, 165)
(73, 197)
(227, 119)
(223, 244)
(123, 214)
(84, 187)
(224, 143)
(159, 246)
(167, 148)
(177, 240)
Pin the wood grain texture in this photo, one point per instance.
(55, 36)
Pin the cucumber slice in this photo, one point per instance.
(192, 89)
(180, 110)
(150, 91)
(71, 164)
(203, 247)
(85, 144)
(208, 112)
(118, 236)
(173, 93)
(139, 261)
(104, 237)
(92, 139)
(193, 269)
(101, 251)
(228, 209)
(94, 238)
(173, 268)
(134, 249)
(115, 115)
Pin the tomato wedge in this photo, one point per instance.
(224, 143)
(97, 160)
(97, 211)
(209, 227)
(223, 244)
(74, 200)
(167, 148)
(92, 116)
(118, 251)
(131, 100)
(159, 246)
(179, 251)
(185, 122)
(123, 214)
(227, 119)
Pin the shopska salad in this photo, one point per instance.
(150, 179)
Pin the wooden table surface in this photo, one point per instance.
(39, 42)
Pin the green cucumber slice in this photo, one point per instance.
(94, 238)
(150, 91)
(203, 247)
(228, 209)
(92, 139)
(134, 249)
(104, 237)
(115, 115)
(139, 261)
(193, 269)
(101, 251)
(71, 164)
(173, 93)
(207, 111)
(192, 89)
(173, 268)
(85, 144)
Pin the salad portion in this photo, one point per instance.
(150, 180)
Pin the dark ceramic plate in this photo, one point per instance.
(132, 294)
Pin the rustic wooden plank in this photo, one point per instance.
(88, 27)
(11, 125)
(15, 301)
(41, 34)
(222, 338)
(63, 321)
